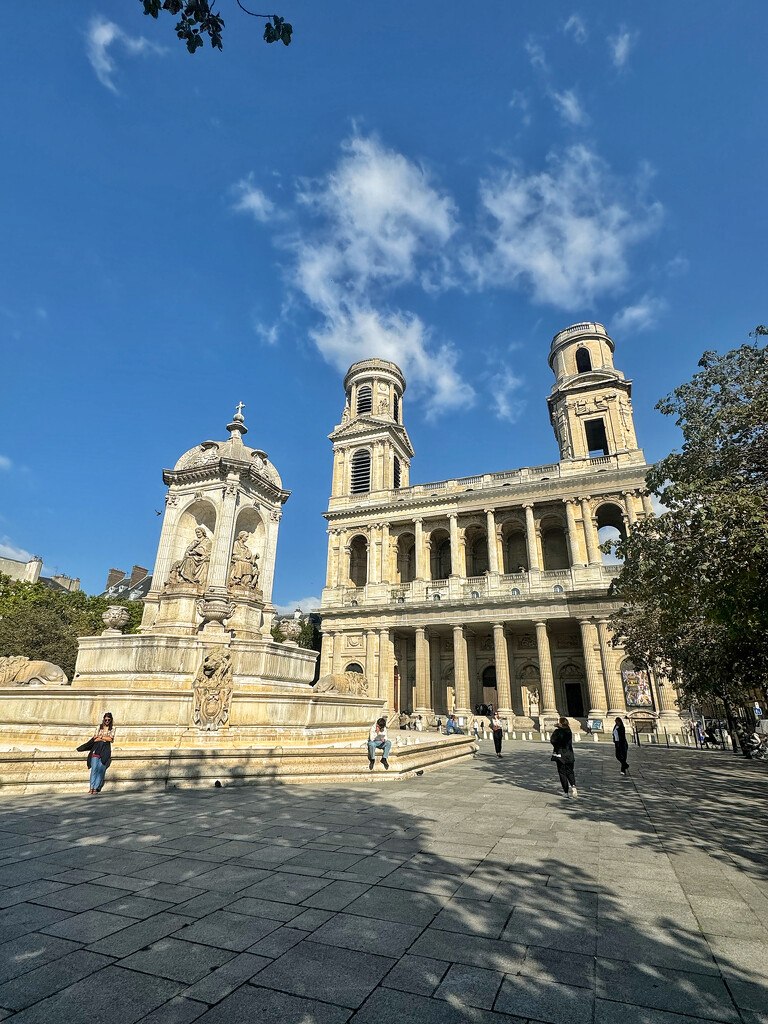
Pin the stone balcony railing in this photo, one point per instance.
(490, 481)
(512, 586)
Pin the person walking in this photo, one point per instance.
(476, 729)
(377, 739)
(620, 746)
(497, 728)
(100, 754)
(563, 756)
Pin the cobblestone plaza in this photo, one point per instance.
(477, 893)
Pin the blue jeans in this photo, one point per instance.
(98, 771)
(384, 746)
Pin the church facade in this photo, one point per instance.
(491, 588)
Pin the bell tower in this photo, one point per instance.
(590, 405)
(371, 447)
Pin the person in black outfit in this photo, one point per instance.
(621, 746)
(563, 756)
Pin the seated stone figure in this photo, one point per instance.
(193, 567)
(243, 571)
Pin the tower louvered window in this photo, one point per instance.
(397, 472)
(364, 399)
(361, 471)
(397, 413)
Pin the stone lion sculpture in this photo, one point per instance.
(353, 683)
(20, 671)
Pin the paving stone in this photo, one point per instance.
(177, 960)
(475, 950)
(406, 1008)
(227, 930)
(328, 973)
(311, 919)
(27, 917)
(28, 891)
(562, 968)
(655, 987)
(91, 926)
(474, 917)
(251, 1004)
(230, 878)
(137, 907)
(369, 934)
(123, 882)
(113, 994)
(278, 942)
(285, 888)
(543, 1001)
(175, 870)
(623, 1013)
(172, 893)
(138, 935)
(226, 979)
(49, 978)
(175, 1011)
(673, 946)
(270, 909)
(417, 974)
(421, 881)
(30, 951)
(336, 896)
(388, 904)
(77, 898)
(471, 986)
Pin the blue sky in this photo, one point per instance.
(432, 184)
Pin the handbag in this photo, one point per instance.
(557, 757)
(88, 745)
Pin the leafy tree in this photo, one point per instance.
(309, 638)
(693, 578)
(197, 19)
(44, 624)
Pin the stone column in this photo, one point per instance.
(384, 574)
(614, 686)
(437, 698)
(595, 681)
(590, 534)
(493, 551)
(386, 682)
(370, 660)
(418, 532)
(423, 696)
(475, 685)
(573, 533)
(647, 503)
(530, 538)
(460, 671)
(333, 554)
(669, 709)
(501, 656)
(338, 643)
(453, 520)
(373, 573)
(326, 654)
(345, 551)
(548, 704)
(629, 502)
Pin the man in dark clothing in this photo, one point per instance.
(620, 745)
(563, 756)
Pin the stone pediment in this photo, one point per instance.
(363, 426)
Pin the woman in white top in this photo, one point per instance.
(498, 733)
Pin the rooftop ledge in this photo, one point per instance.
(491, 481)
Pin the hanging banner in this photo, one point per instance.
(637, 688)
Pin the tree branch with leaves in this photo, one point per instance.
(198, 21)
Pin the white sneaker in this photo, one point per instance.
(574, 793)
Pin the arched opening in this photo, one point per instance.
(583, 360)
(200, 514)
(354, 667)
(364, 399)
(610, 529)
(554, 548)
(440, 555)
(358, 561)
(361, 471)
(573, 689)
(530, 689)
(476, 546)
(406, 558)
(396, 472)
(515, 549)
(490, 691)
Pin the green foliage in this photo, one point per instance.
(197, 20)
(310, 637)
(693, 578)
(44, 624)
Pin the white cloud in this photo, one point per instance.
(678, 266)
(568, 107)
(563, 233)
(378, 223)
(639, 316)
(521, 102)
(5, 462)
(575, 25)
(503, 386)
(101, 37)
(536, 55)
(10, 550)
(307, 604)
(658, 505)
(620, 45)
(268, 333)
(252, 200)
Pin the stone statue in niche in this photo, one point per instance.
(243, 570)
(212, 691)
(383, 407)
(193, 567)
